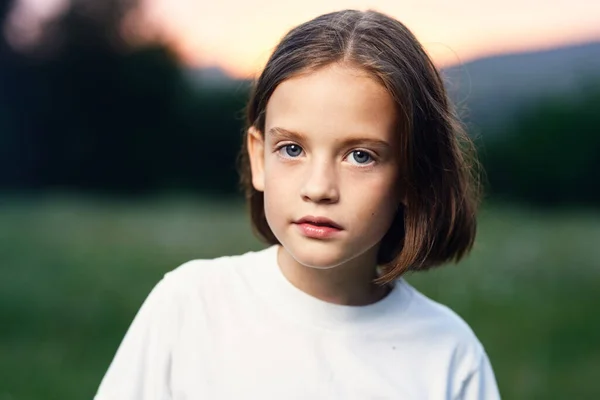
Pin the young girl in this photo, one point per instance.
(354, 170)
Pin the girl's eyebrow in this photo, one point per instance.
(281, 133)
(278, 133)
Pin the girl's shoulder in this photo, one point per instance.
(206, 275)
(438, 323)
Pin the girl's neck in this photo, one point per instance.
(348, 284)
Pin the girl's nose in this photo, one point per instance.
(321, 185)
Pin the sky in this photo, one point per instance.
(238, 35)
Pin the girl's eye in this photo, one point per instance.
(291, 150)
(360, 157)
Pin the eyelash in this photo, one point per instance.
(281, 150)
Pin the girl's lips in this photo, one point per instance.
(317, 231)
(318, 221)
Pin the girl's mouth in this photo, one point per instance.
(319, 221)
(318, 227)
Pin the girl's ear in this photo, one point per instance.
(256, 153)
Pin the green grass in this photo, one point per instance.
(73, 272)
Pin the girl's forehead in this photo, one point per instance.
(332, 99)
(350, 85)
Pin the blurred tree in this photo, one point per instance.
(11, 144)
(551, 155)
(6, 6)
(96, 135)
(93, 107)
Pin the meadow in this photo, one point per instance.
(74, 271)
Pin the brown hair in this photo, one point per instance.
(438, 223)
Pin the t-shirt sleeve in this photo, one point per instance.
(141, 366)
(481, 383)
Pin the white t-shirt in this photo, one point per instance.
(236, 328)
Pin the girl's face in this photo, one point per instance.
(328, 166)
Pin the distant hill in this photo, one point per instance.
(490, 90)
(494, 88)
(213, 78)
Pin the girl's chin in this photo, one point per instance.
(321, 259)
(319, 267)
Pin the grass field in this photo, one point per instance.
(73, 272)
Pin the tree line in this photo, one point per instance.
(89, 111)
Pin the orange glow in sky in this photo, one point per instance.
(238, 35)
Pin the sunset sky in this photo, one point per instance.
(238, 35)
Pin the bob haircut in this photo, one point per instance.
(436, 222)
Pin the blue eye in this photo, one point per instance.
(361, 157)
(291, 150)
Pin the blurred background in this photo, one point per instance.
(120, 122)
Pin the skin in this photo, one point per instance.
(329, 150)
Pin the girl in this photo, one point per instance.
(354, 171)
